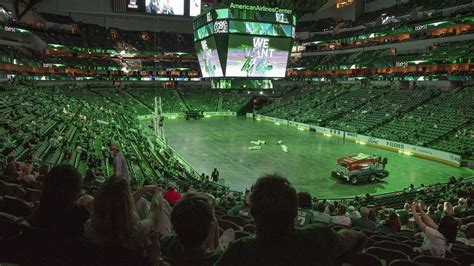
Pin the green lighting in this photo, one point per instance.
(222, 13)
(22, 30)
(405, 152)
(417, 62)
(435, 24)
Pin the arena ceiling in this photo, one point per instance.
(27, 5)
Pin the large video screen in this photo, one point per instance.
(255, 56)
(209, 58)
(165, 7)
(194, 7)
(168, 7)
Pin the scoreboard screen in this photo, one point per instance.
(244, 41)
(169, 7)
(194, 7)
(162, 7)
(209, 58)
(253, 56)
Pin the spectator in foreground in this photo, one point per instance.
(448, 209)
(114, 220)
(372, 215)
(42, 172)
(439, 211)
(320, 216)
(90, 179)
(242, 209)
(25, 176)
(431, 210)
(194, 222)
(392, 223)
(438, 238)
(404, 213)
(143, 209)
(363, 222)
(11, 170)
(461, 206)
(468, 238)
(305, 215)
(171, 195)
(274, 206)
(422, 205)
(341, 217)
(57, 213)
(352, 213)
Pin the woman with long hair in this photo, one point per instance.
(58, 212)
(115, 223)
(448, 209)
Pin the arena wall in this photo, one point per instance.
(402, 48)
(375, 5)
(329, 10)
(100, 13)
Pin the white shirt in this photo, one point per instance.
(435, 242)
(164, 223)
(342, 220)
(120, 166)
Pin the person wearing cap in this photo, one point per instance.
(120, 164)
(172, 196)
(11, 171)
